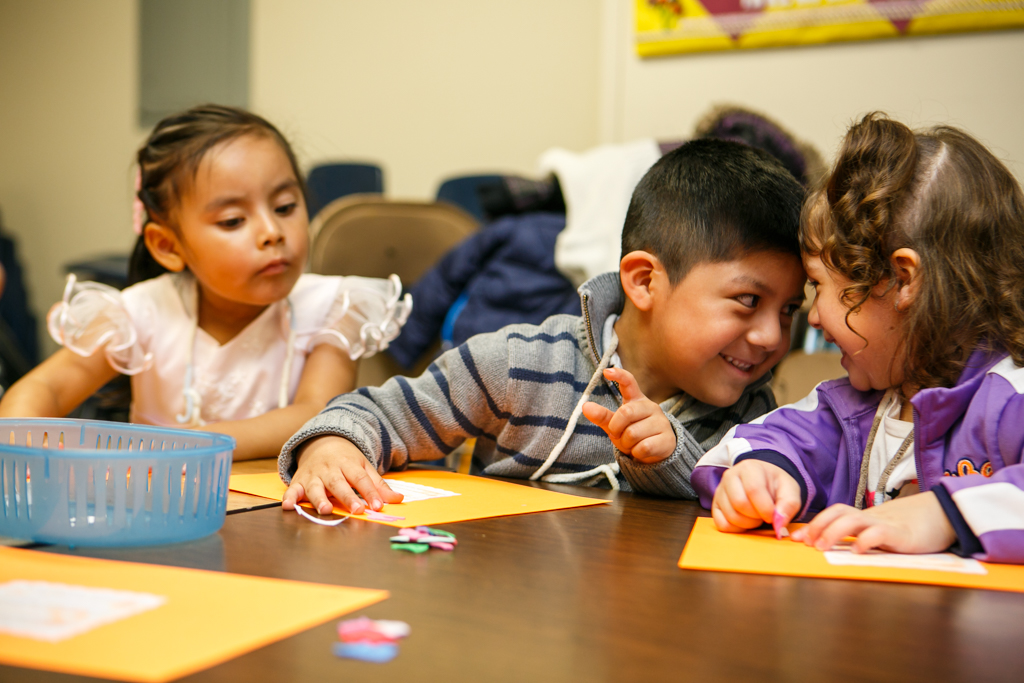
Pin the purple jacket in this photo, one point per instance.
(967, 447)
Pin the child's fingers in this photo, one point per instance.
(630, 415)
(383, 490)
(722, 523)
(760, 494)
(630, 425)
(728, 519)
(734, 497)
(597, 414)
(292, 496)
(359, 478)
(316, 494)
(628, 387)
(744, 484)
(654, 448)
(787, 497)
(851, 523)
(812, 532)
(876, 536)
(340, 484)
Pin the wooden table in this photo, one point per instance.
(594, 594)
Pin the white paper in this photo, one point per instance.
(53, 612)
(940, 562)
(415, 492)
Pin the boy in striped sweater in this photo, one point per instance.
(669, 354)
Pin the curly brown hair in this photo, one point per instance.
(941, 193)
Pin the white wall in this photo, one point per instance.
(429, 88)
(67, 133)
(970, 80)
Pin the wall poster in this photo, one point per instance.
(677, 26)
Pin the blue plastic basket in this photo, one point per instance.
(94, 483)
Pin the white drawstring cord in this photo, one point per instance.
(577, 411)
(609, 470)
(286, 372)
(193, 401)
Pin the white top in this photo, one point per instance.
(147, 330)
(597, 186)
(893, 431)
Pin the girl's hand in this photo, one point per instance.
(331, 465)
(639, 427)
(915, 524)
(753, 492)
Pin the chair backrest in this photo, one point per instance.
(462, 191)
(328, 182)
(371, 236)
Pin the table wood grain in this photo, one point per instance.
(594, 594)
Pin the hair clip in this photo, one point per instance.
(138, 208)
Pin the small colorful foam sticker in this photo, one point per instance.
(421, 538)
(381, 517)
(435, 532)
(411, 547)
(378, 653)
(370, 640)
(393, 628)
(388, 629)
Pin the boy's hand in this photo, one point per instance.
(331, 465)
(751, 493)
(915, 524)
(639, 427)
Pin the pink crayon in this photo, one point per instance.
(779, 524)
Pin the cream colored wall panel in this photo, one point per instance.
(67, 133)
(429, 88)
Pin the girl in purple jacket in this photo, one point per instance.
(915, 248)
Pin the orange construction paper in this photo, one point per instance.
(480, 497)
(758, 552)
(209, 617)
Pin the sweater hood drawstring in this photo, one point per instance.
(608, 470)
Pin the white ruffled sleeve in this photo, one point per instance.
(91, 316)
(365, 316)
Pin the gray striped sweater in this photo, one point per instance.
(514, 391)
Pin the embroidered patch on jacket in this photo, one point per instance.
(964, 466)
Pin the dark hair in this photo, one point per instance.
(170, 158)
(941, 193)
(711, 201)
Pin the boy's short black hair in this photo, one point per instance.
(713, 201)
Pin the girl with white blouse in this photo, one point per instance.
(222, 330)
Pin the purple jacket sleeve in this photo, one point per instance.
(988, 512)
(802, 438)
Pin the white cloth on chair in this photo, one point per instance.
(597, 186)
